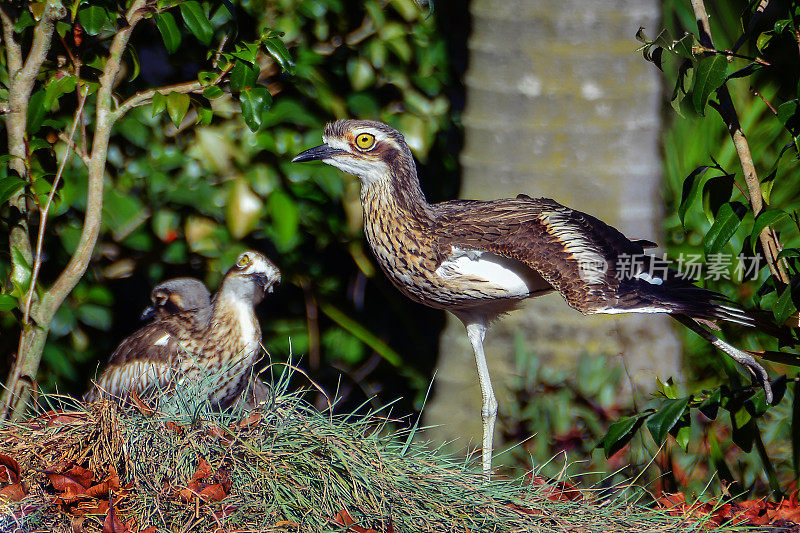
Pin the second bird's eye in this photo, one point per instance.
(365, 141)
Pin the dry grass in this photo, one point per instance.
(291, 468)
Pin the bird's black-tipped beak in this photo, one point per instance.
(148, 313)
(267, 283)
(323, 151)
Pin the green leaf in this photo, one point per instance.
(784, 307)
(709, 75)
(728, 220)
(159, 103)
(691, 186)
(285, 217)
(620, 433)
(764, 39)
(277, 49)
(9, 186)
(97, 316)
(764, 219)
(682, 436)
(195, 18)
(710, 406)
(204, 115)
(177, 106)
(37, 111)
(254, 103)
(243, 75)
(137, 67)
(7, 302)
(717, 192)
(168, 28)
(788, 115)
(666, 417)
(212, 92)
(95, 19)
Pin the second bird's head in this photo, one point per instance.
(365, 148)
(251, 277)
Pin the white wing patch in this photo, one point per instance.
(475, 265)
(652, 280)
(162, 340)
(592, 266)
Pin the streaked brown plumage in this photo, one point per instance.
(480, 259)
(184, 294)
(179, 346)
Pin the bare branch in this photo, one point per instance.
(145, 97)
(728, 113)
(94, 202)
(13, 50)
(43, 213)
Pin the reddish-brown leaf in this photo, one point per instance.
(176, 428)
(93, 507)
(12, 493)
(112, 523)
(214, 492)
(253, 419)
(9, 470)
(111, 482)
(148, 529)
(72, 472)
(343, 518)
(59, 416)
(142, 407)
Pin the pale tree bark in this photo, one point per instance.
(559, 105)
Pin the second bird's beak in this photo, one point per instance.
(148, 313)
(323, 151)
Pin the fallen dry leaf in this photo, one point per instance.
(9, 470)
(343, 518)
(58, 416)
(112, 523)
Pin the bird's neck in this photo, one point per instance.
(399, 192)
(236, 313)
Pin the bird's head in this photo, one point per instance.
(251, 277)
(176, 295)
(365, 148)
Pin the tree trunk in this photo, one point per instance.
(559, 105)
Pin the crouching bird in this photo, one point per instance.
(480, 259)
(220, 341)
(183, 294)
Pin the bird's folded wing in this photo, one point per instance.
(161, 341)
(574, 252)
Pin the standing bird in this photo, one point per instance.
(179, 346)
(480, 259)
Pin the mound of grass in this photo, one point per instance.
(281, 467)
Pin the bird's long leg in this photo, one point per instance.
(476, 331)
(740, 356)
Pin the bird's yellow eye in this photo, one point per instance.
(365, 141)
(243, 261)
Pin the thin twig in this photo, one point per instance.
(728, 113)
(43, 213)
(75, 148)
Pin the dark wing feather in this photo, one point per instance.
(149, 352)
(593, 265)
(575, 252)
